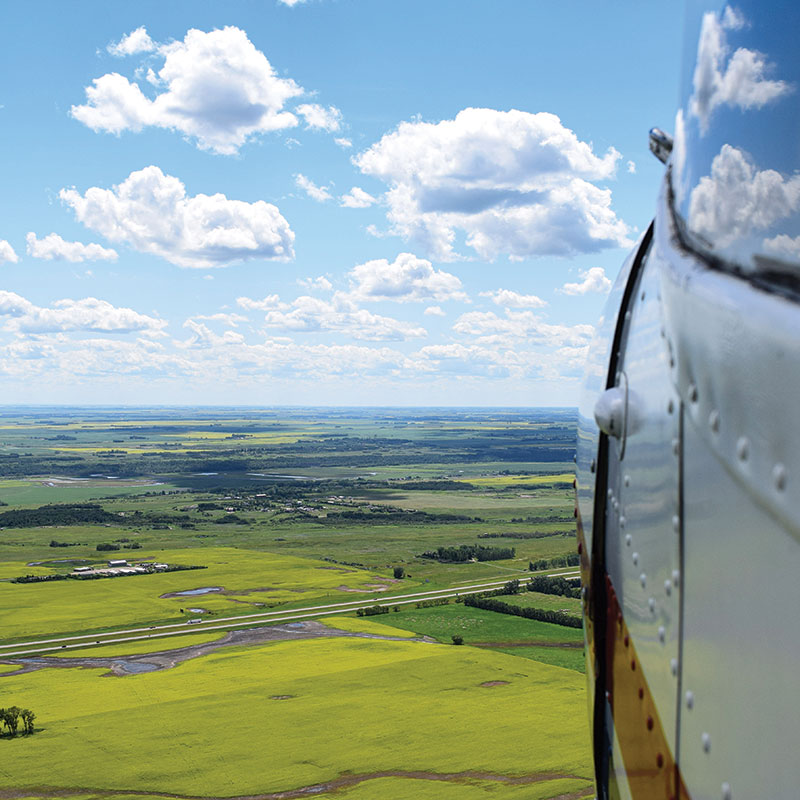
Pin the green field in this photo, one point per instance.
(297, 714)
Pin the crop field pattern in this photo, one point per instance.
(281, 616)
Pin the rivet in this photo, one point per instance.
(650, 723)
(583, 592)
(615, 503)
(676, 523)
(622, 521)
(641, 693)
(668, 587)
(676, 447)
(652, 603)
(644, 294)
(672, 362)
(643, 580)
(580, 548)
(627, 316)
(626, 640)
(610, 494)
(779, 477)
(692, 393)
(662, 634)
(670, 407)
(633, 664)
(706, 740)
(574, 483)
(713, 421)
(690, 700)
(660, 760)
(676, 577)
(635, 559)
(726, 791)
(743, 449)
(627, 480)
(673, 665)
(575, 512)
(628, 539)
(593, 466)
(619, 618)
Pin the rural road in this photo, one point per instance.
(226, 623)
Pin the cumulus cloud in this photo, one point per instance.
(632, 167)
(513, 182)
(720, 78)
(312, 315)
(54, 247)
(217, 88)
(737, 198)
(592, 280)
(321, 283)
(357, 198)
(317, 117)
(151, 212)
(7, 253)
(434, 311)
(137, 41)
(291, 3)
(89, 314)
(511, 299)
(343, 142)
(318, 193)
(406, 279)
(490, 328)
(269, 303)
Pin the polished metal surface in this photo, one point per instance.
(642, 543)
(660, 144)
(735, 160)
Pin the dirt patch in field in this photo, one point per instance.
(122, 666)
(468, 777)
(489, 684)
(281, 696)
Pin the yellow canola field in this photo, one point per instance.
(247, 576)
(295, 714)
(520, 480)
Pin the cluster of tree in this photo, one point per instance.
(56, 543)
(523, 534)
(372, 611)
(492, 604)
(572, 560)
(232, 519)
(103, 546)
(344, 563)
(60, 514)
(399, 573)
(466, 552)
(557, 586)
(11, 717)
(434, 486)
(432, 602)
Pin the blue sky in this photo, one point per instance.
(349, 202)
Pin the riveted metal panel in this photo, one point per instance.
(643, 515)
(741, 693)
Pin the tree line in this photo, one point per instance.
(540, 614)
(572, 560)
(466, 552)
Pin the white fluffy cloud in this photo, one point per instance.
(592, 280)
(137, 41)
(317, 117)
(511, 299)
(7, 252)
(321, 283)
(343, 142)
(406, 279)
(435, 311)
(721, 78)
(357, 198)
(89, 314)
(151, 212)
(54, 247)
(291, 3)
(311, 315)
(489, 328)
(216, 88)
(737, 198)
(513, 182)
(318, 193)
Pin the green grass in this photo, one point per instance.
(567, 657)
(361, 625)
(210, 726)
(253, 578)
(549, 602)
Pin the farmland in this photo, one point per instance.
(285, 510)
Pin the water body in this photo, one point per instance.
(191, 592)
